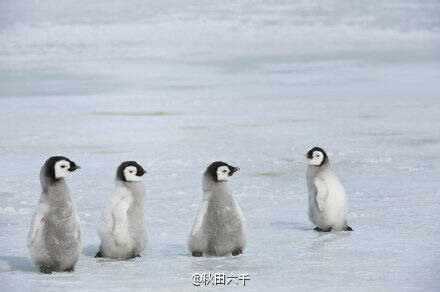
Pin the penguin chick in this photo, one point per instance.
(122, 227)
(327, 199)
(219, 227)
(55, 235)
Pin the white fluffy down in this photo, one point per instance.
(122, 233)
(330, 201)
(200, 216)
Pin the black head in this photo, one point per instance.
(57, 167)
(317, 156)
(130, 171)
(220, 171)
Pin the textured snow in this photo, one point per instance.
(176, 86)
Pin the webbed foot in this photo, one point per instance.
(197, 253)
(323, 230)
(46, 270)
(348, 228)
(237, 252)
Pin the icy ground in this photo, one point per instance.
(255, 86)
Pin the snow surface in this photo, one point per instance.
(177, 85)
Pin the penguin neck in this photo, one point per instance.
(136, 188)
(313, 170)
(213, 189)
(56, 190)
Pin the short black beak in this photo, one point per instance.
(74, 167)
(235, 169)
(141, 172)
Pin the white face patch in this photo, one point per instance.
(223, 173)
(317, 158)
(130, 174)
(61, 168)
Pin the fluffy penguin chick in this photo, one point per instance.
(219, 227)
(327, 199)
(55, 235)
(122, 227)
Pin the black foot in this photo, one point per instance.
(45, 270)
(348, 228)
(71, 269)
(197, 253)
(99, 254)
(323, 230)
(237, 252)
(135, 256)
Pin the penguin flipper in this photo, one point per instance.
(199, 219)
(348, 228)
(120, 218)
(197, 240)
(321, 193)
(37, 222)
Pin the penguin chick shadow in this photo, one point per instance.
(18, 263)
(90, 250)
(291, 225)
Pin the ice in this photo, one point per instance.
(176, 85)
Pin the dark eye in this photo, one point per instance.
(63, 166)
(131, 171)
(225, 171)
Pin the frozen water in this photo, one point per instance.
(176, 86)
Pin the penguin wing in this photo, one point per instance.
(37, 222)
(240, 213)
(79, 231)
(321, 192)
(200, 216)
(120, 215)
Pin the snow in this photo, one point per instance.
(176, 86)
